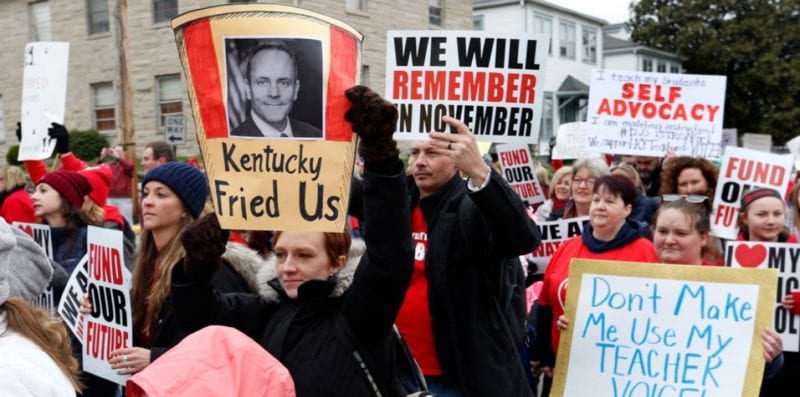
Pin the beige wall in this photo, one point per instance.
(153, 53)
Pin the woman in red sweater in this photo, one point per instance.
(16, 202)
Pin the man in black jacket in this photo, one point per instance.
(464, 233)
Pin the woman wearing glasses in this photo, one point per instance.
(584, 175)
(608, 236)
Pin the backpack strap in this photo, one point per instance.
(344, 335)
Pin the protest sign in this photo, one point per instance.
(743, 170)
(657, 330)
(519, 171)
(553, 234)
(272, 167)
(41, 235)
(760, 142)
(44, 95)
(70, 303)
(783, 257)
(648, 114)
(493, 82)
(571, 142)
(109, 326)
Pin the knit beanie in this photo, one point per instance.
(100, 179)
(186, 181)
(756, 194)
(69, 184)
(28, 273)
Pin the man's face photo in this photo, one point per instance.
(273, 86)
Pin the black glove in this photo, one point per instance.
(204, 242)
(374, 120)
(19, 131)
(61, 135)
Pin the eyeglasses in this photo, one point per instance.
(690, 198)
(589, 181)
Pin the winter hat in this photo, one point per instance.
(31, 270)
(69, 184)
(186, 181)
(100, 179)
(756, 194)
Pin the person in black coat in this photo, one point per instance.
(299, 324)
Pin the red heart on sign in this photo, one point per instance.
(750, 256)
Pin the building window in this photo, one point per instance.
(647, 65)
(164, 10)
(662, 67)
(103, 104)
(435, 12)
(589, 40)
(674, 69)
(547, 118)
(170, 97)
(97, 16)
(355, 5)
(566, 34)
(477, 22)
(39, 21)
(544, 24)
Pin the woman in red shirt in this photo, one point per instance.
(17, 205)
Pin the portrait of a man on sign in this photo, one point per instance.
(274, 88)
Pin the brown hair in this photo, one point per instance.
(336, 243)
(669, 179)
(794, 206)
(632, 173)
(46, 332)
(161, 149)
(698, 217)
(782, 236)
(618, 185)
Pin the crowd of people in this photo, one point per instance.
(435, 265)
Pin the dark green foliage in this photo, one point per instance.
(86, 145)
(755, 43)
(11, 155)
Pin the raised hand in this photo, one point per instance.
(204, 242)
(374, 120)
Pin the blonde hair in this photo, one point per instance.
(13, 177)
(631, 173)
(560, 173)
(91, 213)
(46, 332)
(150, 289)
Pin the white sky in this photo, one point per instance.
(613, 11)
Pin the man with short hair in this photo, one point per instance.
(650, 171)
(155, 154)
(273, 86)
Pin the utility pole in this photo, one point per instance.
(125, 94)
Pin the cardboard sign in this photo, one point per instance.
(648, 114)
(649, 330)
(742, 170)
(571, 142)
(44, 95)
(780, 256)
(493, 82)
(41, 235)
(278, 153)
(519, 171)
(109, 326)
(70, 303)
(553, 234)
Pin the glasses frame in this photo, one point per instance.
(690, 198)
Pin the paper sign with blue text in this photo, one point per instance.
(661, 330)
(493, 82)
(643, 113)
(109, 326)
(786, 259)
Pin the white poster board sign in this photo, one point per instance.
(571, 142)
(641, 113)
(44, 95)
(493, 82)
(70, 303)
(553, 234)
(518, 169)
(742, 170)
(783, 257)
(175, 130)
(109, 326)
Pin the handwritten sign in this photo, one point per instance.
(571, 142)
(519, 171)
(259, 181)
(649, 113)
(742, 170)
(783, 257)
(650, 330)
(44, 95)
(41, 235)
(553, 234)
(493, 82)
(70, 303)
(109, 326)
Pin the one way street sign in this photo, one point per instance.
(175, 130)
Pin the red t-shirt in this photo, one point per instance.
(554, 289)
(414, 319)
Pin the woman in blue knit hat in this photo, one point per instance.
(173, 195)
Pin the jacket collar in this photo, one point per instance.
(629, 232)
(435, 204)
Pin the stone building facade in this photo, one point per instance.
(159, 87)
